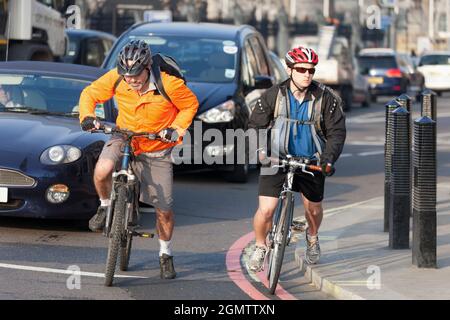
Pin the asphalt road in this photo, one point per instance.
(211, 215)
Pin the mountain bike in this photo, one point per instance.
(122, 216)
(280, 235)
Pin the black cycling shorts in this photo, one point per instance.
(311, 187)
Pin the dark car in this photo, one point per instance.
(278, 68)
(387, 72)
(47, 162)
(88, 47)
(226, 66)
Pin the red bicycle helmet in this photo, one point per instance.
(301, 55)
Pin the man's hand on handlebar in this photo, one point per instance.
(90, 124)
(168, 135)
(327, 169)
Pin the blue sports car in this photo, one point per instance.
(46, 161)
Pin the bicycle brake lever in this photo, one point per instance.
(306, 171)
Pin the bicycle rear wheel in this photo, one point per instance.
(279, 241)
(116, 234)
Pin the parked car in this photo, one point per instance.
(435, 66)
(47, 162)
(385, 72)
(361, 88)
(226, 66)
(88, 47)
(279, 68)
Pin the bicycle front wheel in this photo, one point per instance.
(279, 241)
(125, 252)
(116, 234)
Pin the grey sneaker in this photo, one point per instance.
(166, 267)
(312, 253)
(98, 221)
(256, 262)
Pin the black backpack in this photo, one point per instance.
(160, 63)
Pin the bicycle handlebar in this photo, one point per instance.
(291, 162)
(107, 129)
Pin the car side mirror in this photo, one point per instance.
(263, 82)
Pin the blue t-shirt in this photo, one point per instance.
(301, 145)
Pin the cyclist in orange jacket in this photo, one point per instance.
(141, 109)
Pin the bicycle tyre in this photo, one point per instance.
(281, 233)
(117, 229)
(125, 252)
(276, 220)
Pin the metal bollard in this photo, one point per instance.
(390, 106)
(405, 101)
(429, 102)
(424, 194)
(400, 195)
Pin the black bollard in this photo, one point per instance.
(424, 194)
(429, 103)
(405, 101)
(400, 195)
(390, 106)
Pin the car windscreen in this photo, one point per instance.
(376, 62)
(435, 59)
(200, 59)
(72, 50)
(42, 94)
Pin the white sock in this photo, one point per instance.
(105, 203)
(165, 247)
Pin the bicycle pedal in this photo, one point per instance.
(143, 234)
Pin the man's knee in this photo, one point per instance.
(266, 212)
(103, 170)
(313, 209)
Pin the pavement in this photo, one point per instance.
(357, 263)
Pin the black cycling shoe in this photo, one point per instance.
(98, 221)
(166, 266)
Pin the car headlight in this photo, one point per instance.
(222, 113)
(60, 154)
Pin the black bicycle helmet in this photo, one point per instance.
(136, 51)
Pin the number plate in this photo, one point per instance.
(3, 195)
(376, 80)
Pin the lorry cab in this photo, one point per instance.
(32, 30)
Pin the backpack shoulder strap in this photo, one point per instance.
(277, 104)
(159, 84)
(116, 84)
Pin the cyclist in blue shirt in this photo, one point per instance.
(313, 125)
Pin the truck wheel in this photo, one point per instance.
(30, 51)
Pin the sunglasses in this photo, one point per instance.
(303, 70)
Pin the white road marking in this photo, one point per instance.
(370, 153)
(62, 271)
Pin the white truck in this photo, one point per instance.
(335, 68)
(32, 30)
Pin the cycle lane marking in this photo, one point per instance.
(62, 271)
(233, 262)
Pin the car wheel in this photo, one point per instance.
(366, 102)
(347, 97)
(238, 174)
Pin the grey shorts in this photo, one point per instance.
(153, 169)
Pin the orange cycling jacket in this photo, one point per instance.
(150, 112)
